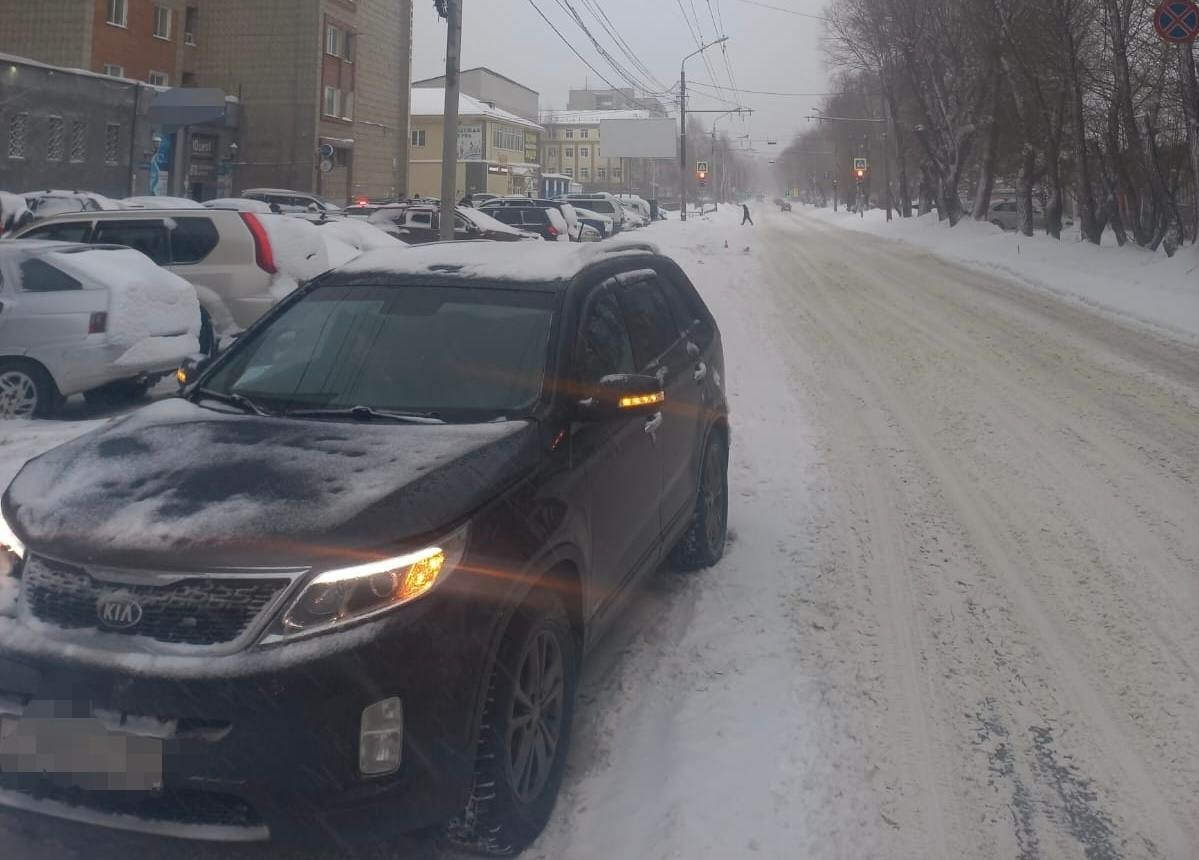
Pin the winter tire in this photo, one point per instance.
(27, 391)
(207, 333)
(524, 734)
(117, 393)
(702, 545)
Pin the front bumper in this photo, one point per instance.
(264, 746)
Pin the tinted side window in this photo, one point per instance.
(38, 276)
(149, 237)
(651, 323)
(193, 239)
(420, 219)
(72, 231)
(508, 216)
(604, 344)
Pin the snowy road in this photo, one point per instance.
(957, 619)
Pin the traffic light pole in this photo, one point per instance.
(684, 174)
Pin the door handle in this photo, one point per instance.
(653, 423)
(701, 372)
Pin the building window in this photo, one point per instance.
(553, 153)
(584, 173)
(159, 79)
(332, 41)
(616, 173)
(570, 133)
(582, 152)
(114, 71)
(16, 135)
(597, 155)
(112, 143)
(569, 152)
(162, 22)
(332, 101)
(347, 47)
(583, 133)
(188, 79)
(54, 139)
(568, 171)
(78, 141)
(347, 105)
(190, 22)
(601, 173)
(341, 157)
(118, 12)
(418, 137)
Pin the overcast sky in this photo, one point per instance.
(767, 50)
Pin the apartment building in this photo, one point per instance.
(492, 89)
(143, 40)
(572, 147)
(322, 84)
(497, 150)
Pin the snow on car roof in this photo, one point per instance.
(495, 261)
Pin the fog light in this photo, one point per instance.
(381, 738)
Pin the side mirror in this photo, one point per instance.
(191, 368)
(623, 394)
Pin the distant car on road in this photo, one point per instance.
(359, 562)
(100, 320)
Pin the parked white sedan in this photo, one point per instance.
(101, 320)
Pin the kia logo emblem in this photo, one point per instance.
(118, 612)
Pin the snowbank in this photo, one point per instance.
(150, 310)
(1146, 287)
(359, 235)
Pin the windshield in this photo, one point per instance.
(464, 354)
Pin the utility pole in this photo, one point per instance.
(685, 174)
(449, 143)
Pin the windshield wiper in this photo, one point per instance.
(367, 413)
(240, 401)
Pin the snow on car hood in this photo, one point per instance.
(177, 484)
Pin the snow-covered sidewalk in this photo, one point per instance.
(1148, 288)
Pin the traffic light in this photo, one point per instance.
(860, 173)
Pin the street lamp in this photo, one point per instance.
(683, 119)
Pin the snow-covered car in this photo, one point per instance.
(638, 204)
(567, 210)
(420, 224)
(1003, 215)
(290, 201)
(240, 204)
(604, 204)
(603, 224)
(546, 222)
(349, 577)
(240, 263)
(161, 203)
(14, 213)
(47, 204)
(99, 320)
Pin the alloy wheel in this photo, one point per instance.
(18, 395)
(535, 717)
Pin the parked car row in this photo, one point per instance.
(240, 256)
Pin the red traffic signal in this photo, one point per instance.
(860, 173)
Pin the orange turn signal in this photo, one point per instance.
(642, 400)
(181, 376)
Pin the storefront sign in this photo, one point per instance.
(470, 143)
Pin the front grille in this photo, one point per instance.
(170, 806)
(192, 611)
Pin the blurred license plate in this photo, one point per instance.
(79, 752)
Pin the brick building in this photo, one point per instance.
(306, 73)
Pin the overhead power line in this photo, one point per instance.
(573, 50)
(781, 9)
(620, 70)
(710, 85)
(597, 12)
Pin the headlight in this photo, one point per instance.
(12, 552)
(348, 594)
(9, 540)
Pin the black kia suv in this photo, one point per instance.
(345, 580)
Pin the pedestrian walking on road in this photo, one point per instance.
(745, 215)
